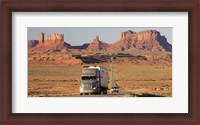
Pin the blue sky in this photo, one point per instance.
(81, 35)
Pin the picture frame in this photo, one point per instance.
(8, 7)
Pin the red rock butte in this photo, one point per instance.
(96, 45)
(50, 43)
(148, 40)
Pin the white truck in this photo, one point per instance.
(94, 80)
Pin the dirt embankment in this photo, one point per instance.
(54, 59)
(96, 58)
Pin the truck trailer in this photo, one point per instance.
(94, 80)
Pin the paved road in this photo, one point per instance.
(121, 93)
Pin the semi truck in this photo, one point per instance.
(94, 80)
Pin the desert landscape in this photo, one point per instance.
(142, 64)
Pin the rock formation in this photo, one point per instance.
(149, 40)
(32, 43)
(50, 43)
(96, 45)
(83, 47)
(54, 38)
(41, 38)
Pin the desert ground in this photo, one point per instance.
(139, 74)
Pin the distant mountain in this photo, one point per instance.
(32, 43)
(149, 40)
(96, 44)
(50, 43)
(84, 46)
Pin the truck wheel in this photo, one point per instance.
(104, 91)
(81, 93)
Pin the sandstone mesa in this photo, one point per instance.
(148, 40)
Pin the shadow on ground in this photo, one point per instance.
(147, 95)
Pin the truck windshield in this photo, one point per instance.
(88, 77)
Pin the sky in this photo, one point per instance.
(80, 35)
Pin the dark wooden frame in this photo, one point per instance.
(9, 6)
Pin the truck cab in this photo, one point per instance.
(93, 80)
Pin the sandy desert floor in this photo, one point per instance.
(141, 79)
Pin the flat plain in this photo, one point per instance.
(136, 77)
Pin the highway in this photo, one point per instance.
(121, 93)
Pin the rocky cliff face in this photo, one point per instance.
(50, 43)
(150, 40)
(41, 38)
(32, 43)
(96, 44)
(83, 47)
(54, 38)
